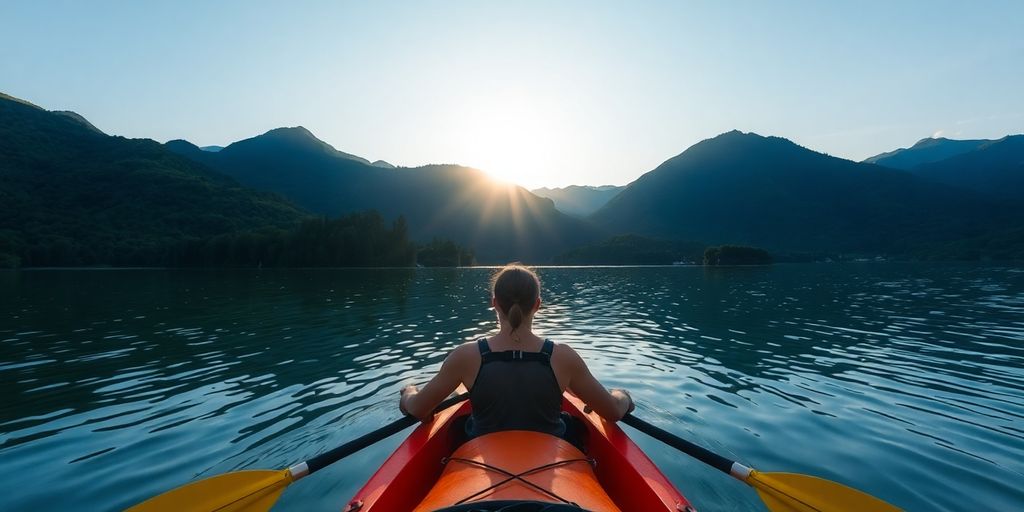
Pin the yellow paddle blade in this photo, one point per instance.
(249, 491)
(790, 492)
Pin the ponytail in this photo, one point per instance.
(516, 290)
(515, 316)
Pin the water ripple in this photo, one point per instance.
(907, 379)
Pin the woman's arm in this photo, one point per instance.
(611, 405)
(421, 402)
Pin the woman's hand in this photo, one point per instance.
(625, 401)
(407, 393)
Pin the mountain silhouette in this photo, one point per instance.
(579, 200)
(79, 119)
(742, 188)
(925, 151)
(70, 195)
(500, 222)
(995, 168)
(288, 161)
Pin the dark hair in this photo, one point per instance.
(516, 289)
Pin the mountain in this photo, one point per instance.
(742, 188)
(579, 200)
(295, 139)
(8, 97)
(211, 149)
(499, 222)
(382, 164)
(70, 195)
(75, 116)
(288, 161)
(995, 168)
(925, 151)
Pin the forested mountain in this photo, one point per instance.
(499, 222)
(288, 161)
(579, 200)
(995, 168)
(742, 188)
(925, 151)
(70, 195)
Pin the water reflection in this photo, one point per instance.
(902, 380)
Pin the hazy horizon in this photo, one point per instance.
(541, 95)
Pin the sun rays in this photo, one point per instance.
(510, 136)
(485, 206)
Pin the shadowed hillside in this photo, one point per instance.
(499, 222)
(70, 195)
(925, 151)
(742, 188)
(995, 168)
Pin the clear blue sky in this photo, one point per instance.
(546, 93)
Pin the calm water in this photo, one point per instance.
(906, 381)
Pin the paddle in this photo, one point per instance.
(781, 492)
(253, 490)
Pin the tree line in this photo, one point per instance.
(736, 255)
(355, 240)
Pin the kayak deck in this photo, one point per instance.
(518, 465)
(435, 467)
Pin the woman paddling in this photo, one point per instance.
(515, 378)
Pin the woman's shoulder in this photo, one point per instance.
(562, 350)
(466, 349)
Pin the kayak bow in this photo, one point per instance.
(435, 469)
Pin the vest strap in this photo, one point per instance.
(548, 347)
(482, 345)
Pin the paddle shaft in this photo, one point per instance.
(729, 467)
(327, 458)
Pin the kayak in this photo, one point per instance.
(436, 469)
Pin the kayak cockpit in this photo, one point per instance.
(518, 465)
(437, 469)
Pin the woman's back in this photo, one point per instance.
(516, 390)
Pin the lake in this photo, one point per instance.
(903, 380)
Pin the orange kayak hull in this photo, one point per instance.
(614, 475)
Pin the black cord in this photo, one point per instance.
(517, 476)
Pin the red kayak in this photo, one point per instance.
(436, 470)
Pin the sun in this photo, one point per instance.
(510, 137)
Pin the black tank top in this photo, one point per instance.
(516, 390)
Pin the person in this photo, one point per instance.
(515, 379)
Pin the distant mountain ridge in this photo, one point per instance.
(995, 168)
(579, 200)
(71, 195)
(742, 188)
(925, 151)
(500, 222)
(79, 119)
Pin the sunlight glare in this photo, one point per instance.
(510, 137)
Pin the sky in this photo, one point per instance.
(536, 93)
